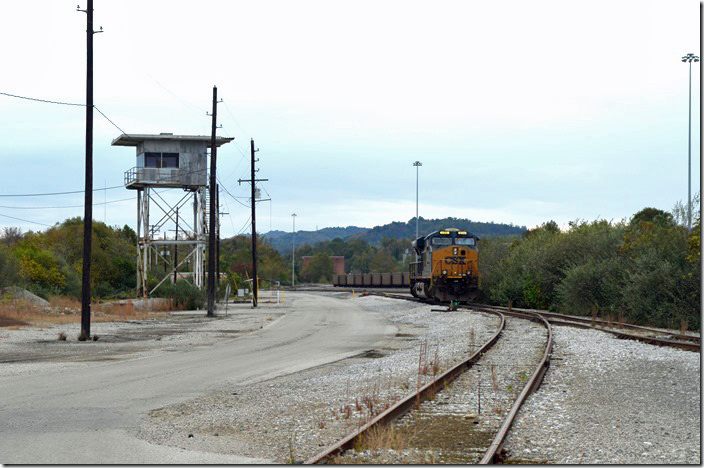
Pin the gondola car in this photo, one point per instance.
(448, 268)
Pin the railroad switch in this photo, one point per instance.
(450, 308)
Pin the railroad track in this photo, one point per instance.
(649, 335)
(492, 451)
(654, 336)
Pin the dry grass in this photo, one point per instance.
(62, 310)
(494, 383)
(386, 437)
(63, 302)
(471, 338)
(22, 313)
(683, 328)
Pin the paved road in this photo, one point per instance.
(86, 415)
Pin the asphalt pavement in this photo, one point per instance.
(88, 415)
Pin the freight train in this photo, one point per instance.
(373, 280)
(448, 269)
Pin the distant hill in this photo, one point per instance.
(399, 230)
(282, 241)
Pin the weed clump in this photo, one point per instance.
(183, 294)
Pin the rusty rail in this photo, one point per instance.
(410, 400)
(688, 346)
(586, 323)
(603, 323)
(494, 453)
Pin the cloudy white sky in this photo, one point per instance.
(520, 112)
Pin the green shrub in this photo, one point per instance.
(9, 269)
(183, 294)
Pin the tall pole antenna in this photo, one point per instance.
(417, 164)
(88, 202)
(211, 222)
(689, 58)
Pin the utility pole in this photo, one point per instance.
(217, 245)
(211, 222)
(88, 202)
(176, 249)
(255, 280)
(254, 223)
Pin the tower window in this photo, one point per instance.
(161, 160)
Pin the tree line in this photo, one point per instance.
(646, 269)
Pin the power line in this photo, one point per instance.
(246, 225)
(66, 104)
(25, 220)
(227, 108)
(222, 186)
(229, 213)
(108, 119)
(162, 179)
(57, 193)
(43, 100)
(64, 206)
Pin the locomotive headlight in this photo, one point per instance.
(444, 272)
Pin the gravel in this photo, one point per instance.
(38, 349)
(293, 418)
(459, 424)
(611, 401)
(603, 400)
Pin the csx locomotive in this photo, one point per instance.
(447, 269)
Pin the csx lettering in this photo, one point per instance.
(455, 260)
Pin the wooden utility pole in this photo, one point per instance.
(176, 249)
(88, 202)
(211, 222)
(217, 242)
(255, 286)
(254, 225)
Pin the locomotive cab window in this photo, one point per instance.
(465, 241)
(442, 241)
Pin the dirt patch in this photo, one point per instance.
(11, 322)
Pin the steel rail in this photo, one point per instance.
(494, 453)
(553, 315)
(411, 399)
(555, 318)
(589, 320)
(688, 346)
(694, 343)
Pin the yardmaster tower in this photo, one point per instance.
(168, 161)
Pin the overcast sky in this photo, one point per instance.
(520, 112)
